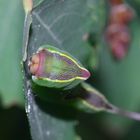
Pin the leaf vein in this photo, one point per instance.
(48, 29)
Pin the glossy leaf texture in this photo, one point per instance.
(62, 24)
(11, 15)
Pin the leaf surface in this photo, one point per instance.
(63, 24)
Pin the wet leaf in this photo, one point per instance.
(61, 24)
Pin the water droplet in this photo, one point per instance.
(28, 109)
(35, 39)
(48, 133)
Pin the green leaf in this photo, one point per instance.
(45, 125)
(62, 24)
(11, 15)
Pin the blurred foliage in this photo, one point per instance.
(119, 81)
(11, 15)
(135, 4)
(15, 128)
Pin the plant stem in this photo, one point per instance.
(115, 110)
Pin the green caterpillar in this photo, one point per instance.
(52, 67)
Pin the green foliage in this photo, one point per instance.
(11, 15)
(135, 4)
(120, 80)
(67, 24)
(62, 24)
